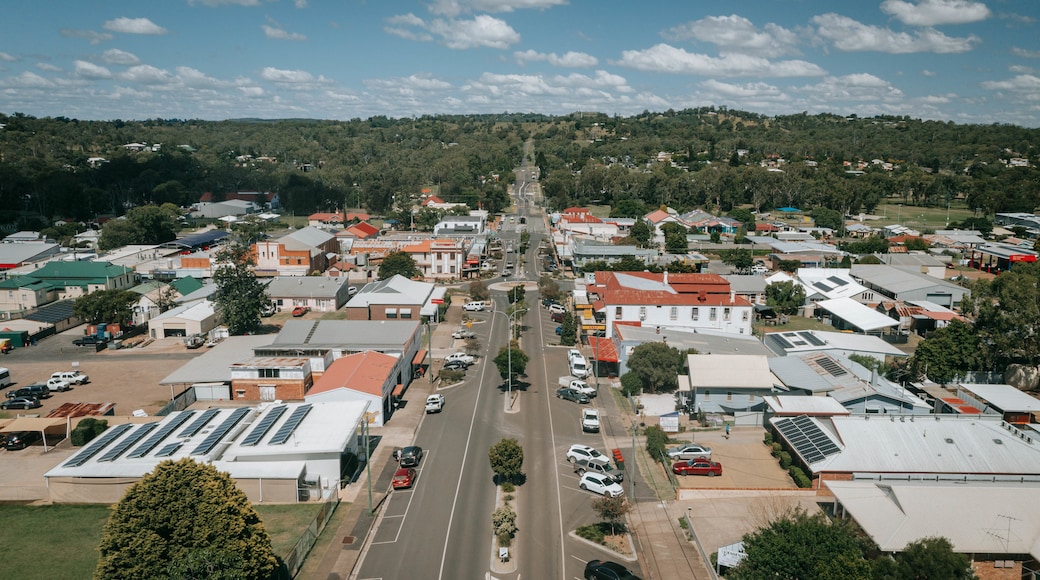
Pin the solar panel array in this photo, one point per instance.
(823, 286)
(264, 426)
(150, 443)
(213, 438)
(807, 438)
(831, 366)
(781, 340)
(294, 420)
(837, 280)
(125, 444)
(811, 338)
(96, 447)
(169, 449)
(199, 423)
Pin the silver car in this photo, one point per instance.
(690, 451)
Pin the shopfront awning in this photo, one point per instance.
(603, 349)
(420, 357)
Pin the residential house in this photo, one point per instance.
(319, 293)
(726, 383)
(298, 253)
(396, 298)
(1011, 404)
(469, 225)
(335, 220)
(156, 295)
(658, 218)
(59, 280)
(435, 202)
(359, 231)
(903, 284)
(797, 342)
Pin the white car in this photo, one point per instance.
(600, 484)
(583, 388)
(73, 377)
(58, 385)
(475, 306)
(460, 356)
(579, 369)
(434, 403)
(590, 420)
(557, 308)
(579, 452)
(574, 354)
(690, 451)
(463, 333)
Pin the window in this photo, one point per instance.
(673, 314)
(695, 314)
(642, 313)
(707, 395)
(744, 316)
(729, 395)
(269, 373)
(240, 393)
(713, 314)
(391, 313)
(406, 313)
(617, 313)
(725, 314)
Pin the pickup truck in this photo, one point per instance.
(434, 403)
(590, 420)
(88, 340)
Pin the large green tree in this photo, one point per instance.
(507, 460)
(785, 297)
(240, 297)
(657, 365)
(181, 520)
(925, 559)
(1007, 316)
(946, 354)
(641, 233)
(106, 306)
(511, 360)
(398, 263)
(148, 224)
(740, 259)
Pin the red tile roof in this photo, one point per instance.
(685, 289)
(365, 372)
(363, 230)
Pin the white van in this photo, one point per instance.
(5, 377)
(579, 369)
(475, 306)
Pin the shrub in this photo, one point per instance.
(593, 533)
(504, 538)
(656, 441)
(768, 439)
(776, 449)
(508, 487)
(86, 430)
(799, 477)
(451, 377)
(785, 460)
(631, 384)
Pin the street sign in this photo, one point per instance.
(436, 301)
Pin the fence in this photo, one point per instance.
(294, 559)
(179, 403)
(700, 547)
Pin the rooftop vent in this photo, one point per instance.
(948, 440)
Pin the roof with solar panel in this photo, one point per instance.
(272, 438)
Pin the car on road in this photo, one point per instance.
(88, 340)
(569, 394)
(411, 456)
(21, 403)
(600, 570)
(559, 330)
(58, 385)
(460, 356)
(74, 377)
(300, 311)
(579, 452)
(698, 467)
(404, 478)
(434, 403)
(474, 306)
(600, 484)
(556, 316)
(690, 451)
(463, 333)
(574, 354)
(590, 420)
(507, 273)
(455, 365)
(583, 387)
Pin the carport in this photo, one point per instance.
(44, 425)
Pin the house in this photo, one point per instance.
(750, 287)
(918, 316)
(359, 231)
(396, 298)
(319, 293)
(229, 207)
(156, 295)
(726, 383)
(59, 280)
(271, 379)
(1013, 405)
(858, 389)
(196, 318)
(901, 284)
(435, 202)
(584, 251)
(916, 262)
(298, 253)
(335, 220)
(674, 301)
(370, 377)
(614, 352)
(470, 225)
(658, 218)
(844, 344)
(577, 220)
(847, 314)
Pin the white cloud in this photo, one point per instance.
(46, 66)
(89, 35)
(295, 79)
(397, 27)
(280, 33)
(452, 8)
(1028, 70)
(755, 90)
(146, 74)
(666, 58)
(7, 57)
(933, 12)
(116, 56)
(225, 2)
(1015, 84)
(1025, 53)
(737, 34)
(134, 26)
(849, 35)
(569, 59)
(483, 30)
(30, 80)
(935, 99)
(194, 78)
(89, 70)
(929, 73)
(860, 87)
(251, 92)
(419, 82)
(601, 80)
(300, 3)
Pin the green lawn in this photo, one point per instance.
(57, 542)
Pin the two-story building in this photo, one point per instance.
(271, 378)
(59, 280)
(297, 253)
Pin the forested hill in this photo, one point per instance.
(53, 168)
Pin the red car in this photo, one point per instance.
(404, 478)
(300, 311)
(698, 467)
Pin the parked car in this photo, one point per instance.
(569, 394)
(583, 387)
(697, 467)
(690, 451)
(20, 440)
(475, 306)
(579, 369)
(434, 403)
(411, 456)
(579, 452)
(463, 333)
(600, 484)
(88, 340)
(58, 385)
(460, 356)
(37, 391)
(582, 467)
(559, 330)
(556, 307)
(548, 302)
(300, 311)
(404, 478)
(21, 403)
(268, 309)
(74, 377)
(455, 365)
(352, 290)
(574, 354)
(590, 420)
(600, 570)
(507, 273)
(556, 316)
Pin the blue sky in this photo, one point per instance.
(961, 60)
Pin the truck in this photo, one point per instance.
(434, 403)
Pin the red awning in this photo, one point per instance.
(399, 390)
(419, 357)
(603, 349)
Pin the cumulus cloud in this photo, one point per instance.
(295, 79)
(935, 12)
(252, 92)
(755, 90)
(1025, 53)
(224, 2)
(279, 33)
(569, 59)
(29, 79)
(195, 78)
(849, 35)
(134, 26)
(146, 74)
(89, 35)
(482, 30)
(737, 34)
(408, 26)
(89, 70)
(121, 57)
(1019, 83)
(46, 66)
(452, 8)
(666, 58)
(859, 87)
(928, 73)
(413, 83)
(7, 57)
